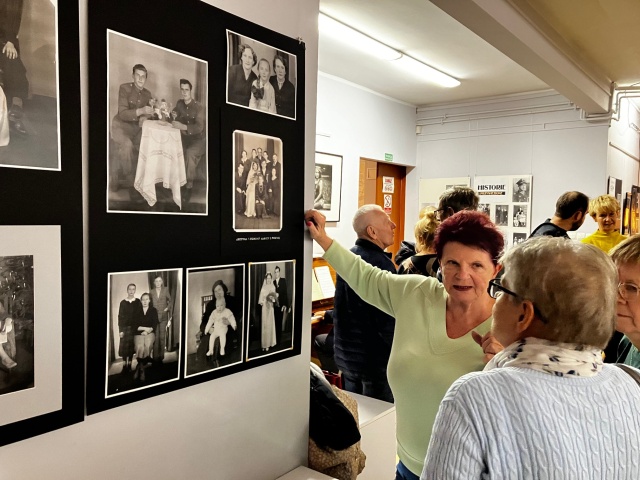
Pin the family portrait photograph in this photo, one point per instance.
(260, 77)
(215, 318)
(271, 306)
(29, 109)
(143, 329)
(157, 129)
(258, 183)
(520, 215)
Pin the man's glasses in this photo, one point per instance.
(496, 290)
(628, 291)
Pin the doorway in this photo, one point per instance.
(384, 184)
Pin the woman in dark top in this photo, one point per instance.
(241, 76)
(144, 325)
(130, 308)
(285, 91)
(425, 261)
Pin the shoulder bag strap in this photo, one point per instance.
(633, 373)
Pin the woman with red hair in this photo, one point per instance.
(438, 325)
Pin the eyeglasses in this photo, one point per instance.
(628, 291)
(496, 289)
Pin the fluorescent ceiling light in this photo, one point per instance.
(360, 41)
(356, 39)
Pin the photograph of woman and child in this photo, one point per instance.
(270, 313)
(143, 346)
(260, 77)
(257, 199)
(215, 319)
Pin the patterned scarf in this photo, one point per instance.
(560, 359)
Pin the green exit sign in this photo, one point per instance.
(388, 157)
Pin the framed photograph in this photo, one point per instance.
(157, 133)
(214, 336)
(271, 306)
(257, 182)
(518, 238)
(260, 77)
(521, 191)
(626, 214)
(502, 215)
(31, 370)
(143, 330)
(520, 215)
(328, 185)
(29, 86)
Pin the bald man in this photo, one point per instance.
(363, 334)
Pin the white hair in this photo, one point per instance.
(361, 219)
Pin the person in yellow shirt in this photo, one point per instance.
(605, 210)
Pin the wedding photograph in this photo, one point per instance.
(258, 182)
(215, 318)
(143, 329)
(260, 77)
(271, 306)
(29, 89)
(157, 132)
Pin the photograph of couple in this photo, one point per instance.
(257, 199)
(270, 312)
(143, 329)
(260, 77)
(215, 318)
(157, 133)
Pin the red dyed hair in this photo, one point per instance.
(470, 228)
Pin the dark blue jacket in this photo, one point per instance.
(363, 334)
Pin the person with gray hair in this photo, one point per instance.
(626, 256)
(363, 334)
(546, 406)
(571, 210)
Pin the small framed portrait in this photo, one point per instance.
(520, 215)
(502, 215)
(143, 330)
(258, 182)
(521, 189)
(328, 185)
(156, 129)
(519, 238)
(271, 306)
(260, 77)
(485, 208)
(215, 318)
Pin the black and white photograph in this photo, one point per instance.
(260, 77)
(143, 329)
(485, 208)
(519, 238)
(328, 185)
(502, 215)
(521, 189)
(258, 182)
(157, 132)
(30, 322)
(29, 109)
(16, 323)
(520, 215)
(215, 318)
(271, 306)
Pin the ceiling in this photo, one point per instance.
(493, 47)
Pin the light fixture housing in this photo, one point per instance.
(371, 46)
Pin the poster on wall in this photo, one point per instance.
(157, 137)
(157, 209)
(29, 86)
(506, 200)
(432, 188)
(214, 336)
(328, 185)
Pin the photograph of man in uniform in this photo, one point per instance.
(521, 190)
(28, 85)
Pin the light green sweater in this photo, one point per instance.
(424, 361)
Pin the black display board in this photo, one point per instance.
(190, 238)
(41, 250)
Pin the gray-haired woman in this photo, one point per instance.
(546, 406)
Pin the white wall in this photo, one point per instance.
(355, 122)
(252, 425)
(540, 134)
(623, 152)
